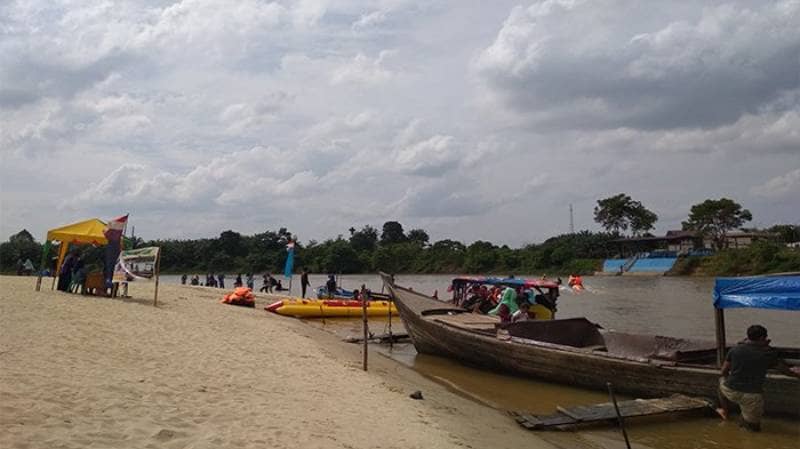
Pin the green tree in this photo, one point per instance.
(714, 218)
(611, 212)
(620, 212)
(418, 236)
(392, 233)
(786, 232)
(365, 239)
(18, 248)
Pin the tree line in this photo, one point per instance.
(393, 249)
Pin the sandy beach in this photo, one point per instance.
(96, 372)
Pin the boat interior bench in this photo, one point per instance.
(470, 321)
(585, 335)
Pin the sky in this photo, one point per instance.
(473, 120)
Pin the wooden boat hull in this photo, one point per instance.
(329, 308)
(570, 365)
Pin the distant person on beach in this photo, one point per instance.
(273, 283)
(743, 376)
(183, 279)
(265, 283)
(238, 281)
(304, 282)
(251, 281)
(221, 280)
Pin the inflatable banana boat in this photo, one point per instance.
(329, 308)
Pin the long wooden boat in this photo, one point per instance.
(577, 352)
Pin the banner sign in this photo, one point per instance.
(136, 264)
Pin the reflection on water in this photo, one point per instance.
(668, 306)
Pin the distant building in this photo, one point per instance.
(683, 243)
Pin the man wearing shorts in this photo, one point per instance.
(743, 375)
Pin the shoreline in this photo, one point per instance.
(192, 372)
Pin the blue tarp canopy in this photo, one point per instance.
(763, 292)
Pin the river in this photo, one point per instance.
(672, 306)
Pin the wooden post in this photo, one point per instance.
(391, 338)
(719, 323)
(364, 317)
(619, 416)
(158, 269)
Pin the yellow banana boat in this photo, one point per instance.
(329, 308)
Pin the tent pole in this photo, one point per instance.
(62, 252)
(719, 321)
(158, 271)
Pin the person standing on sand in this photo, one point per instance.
(743, 376)
(183, 279)
(304, 282)
(221, 280)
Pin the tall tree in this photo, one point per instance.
(640, 218)
(714, 218)
(611, 212)
(364, 239)
(392, 233)
(418, 236)
(620, 212)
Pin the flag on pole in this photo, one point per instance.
(287, 269)
(115, 227)
(113, 233)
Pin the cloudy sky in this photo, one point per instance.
(470, 119)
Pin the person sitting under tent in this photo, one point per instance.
(65, 274)
(78, 282)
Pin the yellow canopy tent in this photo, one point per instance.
(87, 232)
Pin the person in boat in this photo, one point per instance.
(743, 374)
(473, 298)
(524, 313)
(331, 285)
(575, 282)
(508, 305)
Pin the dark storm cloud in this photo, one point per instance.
(571, 64)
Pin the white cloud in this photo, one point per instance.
(780, 186)
(362, 69)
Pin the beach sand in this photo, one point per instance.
(81, 372)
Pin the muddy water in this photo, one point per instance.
(668, 306)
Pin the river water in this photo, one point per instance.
(672, 306)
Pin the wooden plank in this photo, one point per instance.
(585, 414)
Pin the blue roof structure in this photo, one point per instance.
(762, 292)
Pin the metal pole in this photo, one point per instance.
(719, 323)
(364, 317)
(158, 273)
(619, 416)
(391, 339)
